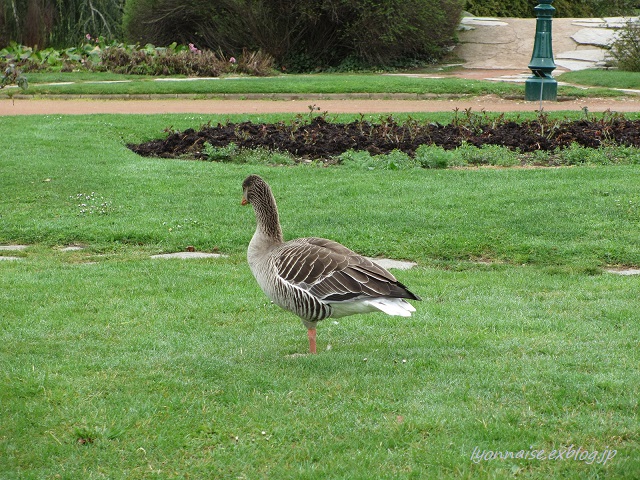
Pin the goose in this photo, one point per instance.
(315, 278)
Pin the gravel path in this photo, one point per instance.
(300, 105)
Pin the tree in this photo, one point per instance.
(58, 23)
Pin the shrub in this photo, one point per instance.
(384, 32)
(626, 47)
(161, 61)
(302, 34)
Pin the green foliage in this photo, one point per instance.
(564, 8)
(304, 34)
(605, 155)
(58, 23)
(221, 154)
(626, 47)
(12, 74)
(381, 32)
(495, 155)
(395, 160)
(259, 156)
(98, 55)
(150, 60)
(33, 59)
(431, 156)
(603, 78)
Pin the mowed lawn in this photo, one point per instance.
(115, 365)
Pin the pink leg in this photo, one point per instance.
(311, 333)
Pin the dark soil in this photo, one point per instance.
(322, 140)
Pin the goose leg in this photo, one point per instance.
(311, 333)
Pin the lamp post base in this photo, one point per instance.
(533, 86)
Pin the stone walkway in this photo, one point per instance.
(190, 255)
(507, 43)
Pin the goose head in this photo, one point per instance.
(255, 190)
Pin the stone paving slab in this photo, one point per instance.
(72, 248)
(599, 37)
(584, 54)
(13, 248)
(624, 272)
(188, 255)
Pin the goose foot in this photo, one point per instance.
(311, 333)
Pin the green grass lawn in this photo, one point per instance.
(84, 83)
(115, 365)
(603, 78)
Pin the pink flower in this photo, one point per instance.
(87, 36)
(193, 48)
(232, 60)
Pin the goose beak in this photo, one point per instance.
(244, 201)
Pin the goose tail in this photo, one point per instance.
(392, 306)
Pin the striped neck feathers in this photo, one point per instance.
(266, 210)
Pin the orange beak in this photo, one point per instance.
(244, 201)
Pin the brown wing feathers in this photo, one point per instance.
(333, 272)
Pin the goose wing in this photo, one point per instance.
(332, 272)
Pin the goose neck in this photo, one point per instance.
(268, 220)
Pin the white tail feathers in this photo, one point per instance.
(392, 306)
(388, 305)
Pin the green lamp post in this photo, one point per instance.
(541, 85)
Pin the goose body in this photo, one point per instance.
(315, 278)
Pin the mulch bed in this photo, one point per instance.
(322, 140)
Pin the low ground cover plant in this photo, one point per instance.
(97, 55)
(12, 74)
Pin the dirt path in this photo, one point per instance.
(300, 105)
